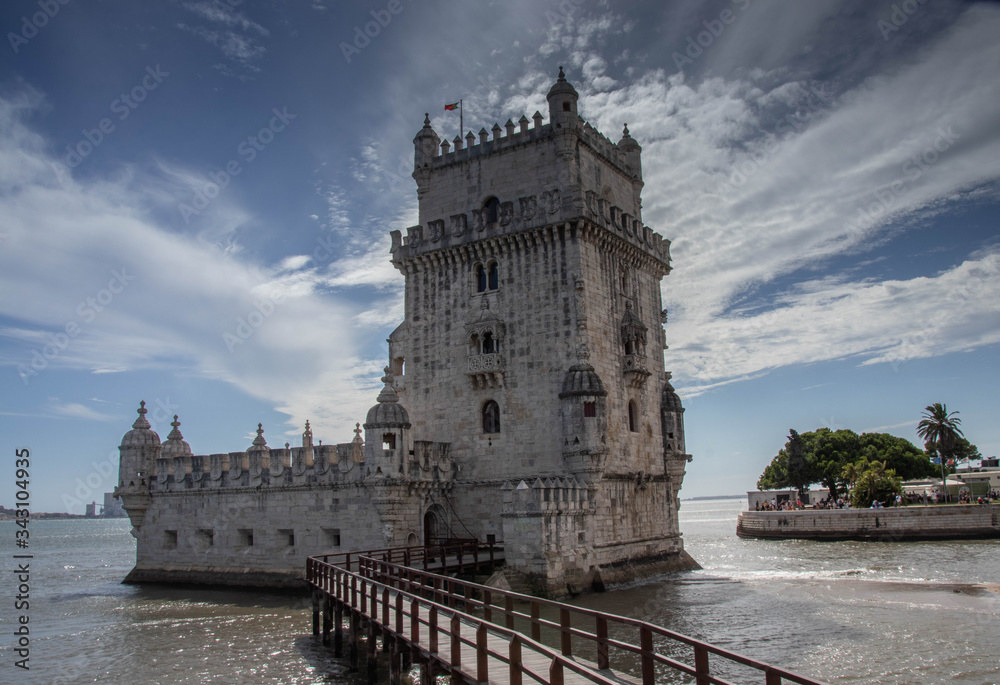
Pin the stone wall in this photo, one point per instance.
(885, 525)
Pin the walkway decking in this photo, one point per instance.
(478, 634)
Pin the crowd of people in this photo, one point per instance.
(901, 500)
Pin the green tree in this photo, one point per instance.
(941, 428)
(962, 451)
(821, 456)
(799, 476)
(876, 483)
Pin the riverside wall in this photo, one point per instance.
(885, 525)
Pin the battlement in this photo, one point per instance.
(549, 495)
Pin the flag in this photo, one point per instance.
(452, 107)
(935, 460)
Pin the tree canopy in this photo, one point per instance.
(820, 456)
(940, 431)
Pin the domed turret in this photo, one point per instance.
(562, 99)
(141, 435)
(138, 453)
(584, 418)
(259, 454)
(386, 429)
(175, 445)
(672, 418)
(425, 147)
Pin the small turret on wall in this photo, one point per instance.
(387, 434)
(584, 412)
(138, 454)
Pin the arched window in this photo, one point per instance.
(492, 210)
(493, 275)
(633, 416)
(489, 344)
(487, 276)
(389, 441)
(491, 417)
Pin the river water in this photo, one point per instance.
(842, 612)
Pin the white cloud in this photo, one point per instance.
(139, 294)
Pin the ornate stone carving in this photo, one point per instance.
(459, 224)
(552, 199)
(529, 207)
(479, 219)
(435, 230)
(506, 213)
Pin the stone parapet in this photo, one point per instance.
(882, 525)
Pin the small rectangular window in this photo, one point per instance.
(287, 535)
(246, 537)
(332, 536)
(389, 441)
(206, 537)
(589, 409)
(170, 539)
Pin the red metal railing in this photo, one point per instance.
(578, 632)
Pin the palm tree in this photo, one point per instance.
(941, 427)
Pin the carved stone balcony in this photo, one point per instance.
(486, 370)
(634, 369)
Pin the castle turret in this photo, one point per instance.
(562, 99)
(633, 162)
(425, 148)
(176, 453)
(259, 454)
(584, 412)
(386, 433)
(672, 418)
(138, 455)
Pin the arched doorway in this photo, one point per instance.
(435, 525)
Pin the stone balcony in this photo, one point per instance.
(486, 370)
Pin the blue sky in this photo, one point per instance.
(196, 199)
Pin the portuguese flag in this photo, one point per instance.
(452, 107)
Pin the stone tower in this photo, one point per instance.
(533, 345)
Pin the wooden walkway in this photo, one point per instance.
(477, 634)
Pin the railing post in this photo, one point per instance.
(432, 620)
(514, 656)
(385, 608)
(701, 665)
(555, 672)
(456, 643)
(566, 637)
(602, 643)
(399, 614)
(327, 619)
(508, 607)
(482, 655)
(415, 622)
(771, 678)
(646, 647)
(536, 628)
(488, 606)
